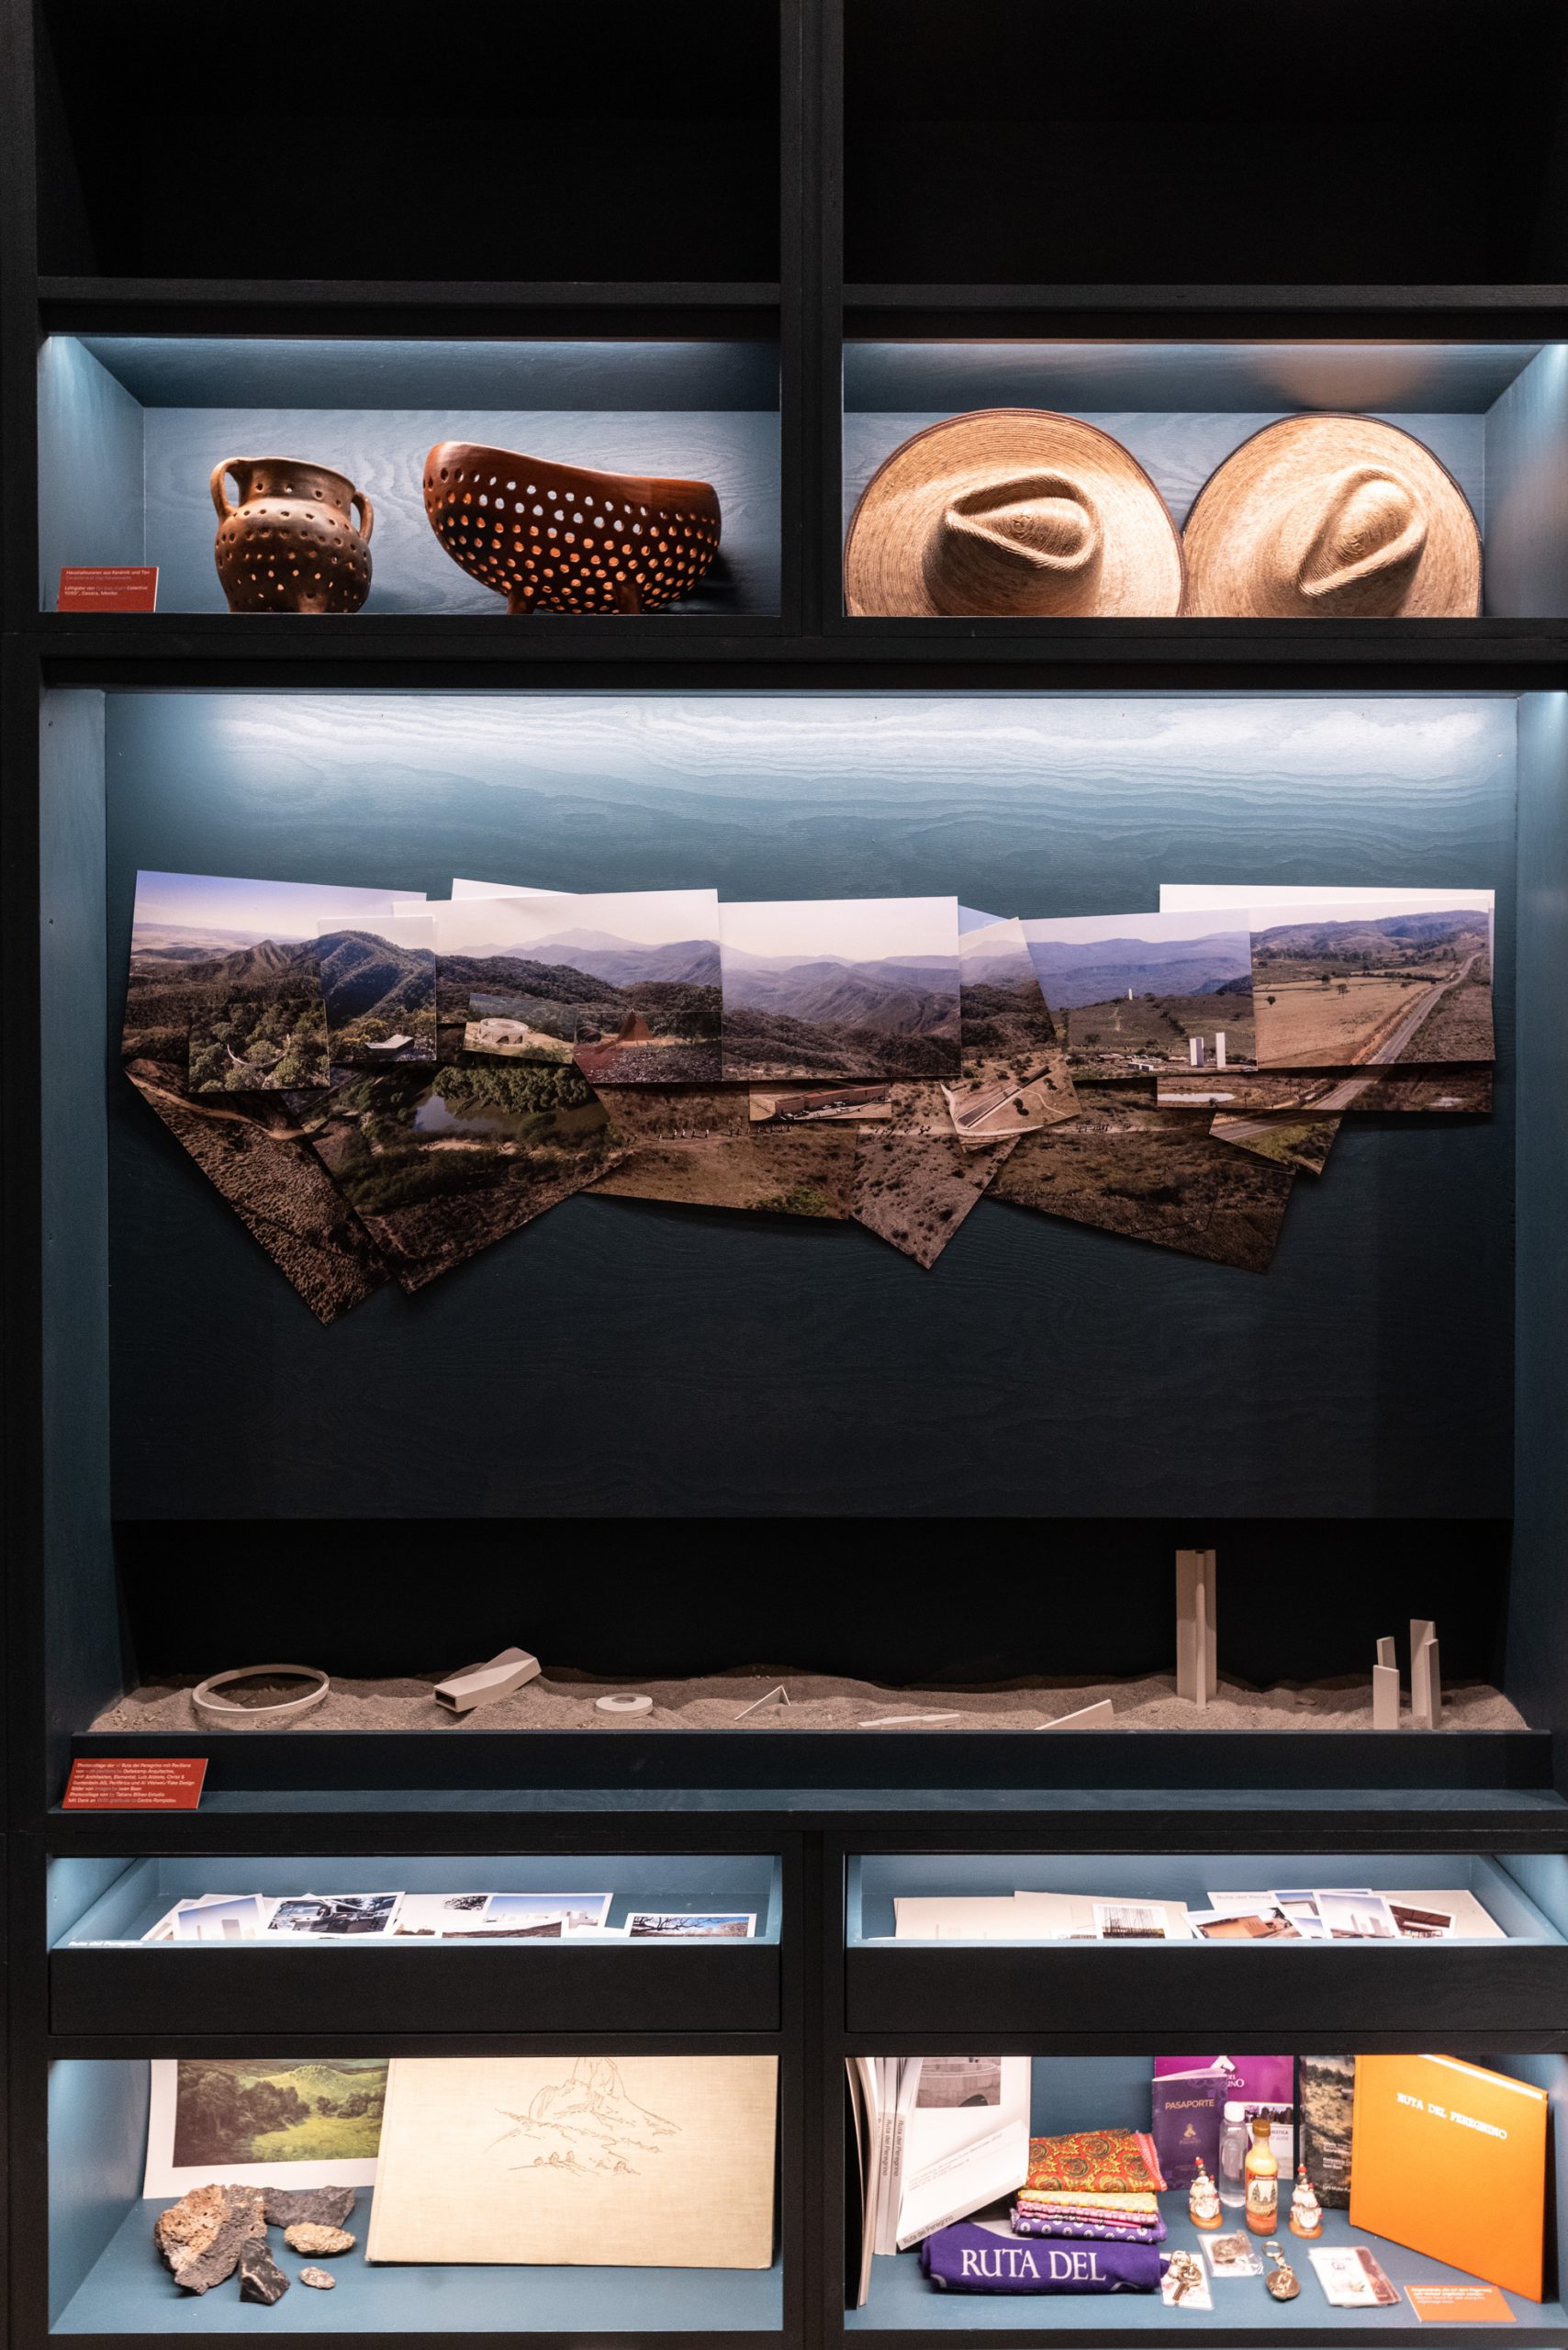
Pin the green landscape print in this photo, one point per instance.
(228, 2111)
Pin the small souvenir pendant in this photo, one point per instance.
(1284, 2284)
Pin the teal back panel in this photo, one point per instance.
(622, 1358)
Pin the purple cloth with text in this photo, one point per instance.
(1107, 2231)
(967, 2259)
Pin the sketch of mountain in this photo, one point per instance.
(584, 2123)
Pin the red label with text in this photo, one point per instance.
(135, 1783)
(108, 588)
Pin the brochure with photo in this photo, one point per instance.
(252, 2121)
(690, 1925)
(333, 1917)
(1352, 2277)
(1133, 995)
(853, 989)
(240, 1921)
(430, 1917)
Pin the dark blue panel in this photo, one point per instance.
(1526, 491)
(97, 2142)
(234, 371)
(1383, 378)
(90, 486)
(1539, 1593)
(624, 1359)
(81, 1618)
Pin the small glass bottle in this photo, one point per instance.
(1233, 2158)
(1262, 2178)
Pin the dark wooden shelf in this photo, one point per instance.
(1506, 313)
(342, 306)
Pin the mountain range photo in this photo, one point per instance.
(856, 989)
(380, 994)
(1133, 994)
(629, 1011)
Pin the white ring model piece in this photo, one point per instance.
(223, 1710)
(624, 1701)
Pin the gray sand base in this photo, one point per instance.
(564, 1700)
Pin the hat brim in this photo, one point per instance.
(1238, 512)
(1142, 571)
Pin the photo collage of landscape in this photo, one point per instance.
(382, 1085)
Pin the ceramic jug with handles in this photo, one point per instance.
(290, 543)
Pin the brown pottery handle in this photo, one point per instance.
(230, 465)
(368, 514)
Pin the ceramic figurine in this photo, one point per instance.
(290, 544)
(553, 538)
(1202, 2201)
(1306, 2212)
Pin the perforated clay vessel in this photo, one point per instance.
(559, 539)
(290, 544)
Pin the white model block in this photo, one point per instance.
(1219, 1048)
(1426, 1675)
(777, 1695)
(1195, 1051)
(1386, 1656)
(481, 1684)
(1197, 1675)
(1386, 1694)
(1100, 1715)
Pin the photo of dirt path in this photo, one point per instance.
(1350, 986)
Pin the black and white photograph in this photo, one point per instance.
(330, 1916)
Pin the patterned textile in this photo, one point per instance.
(1102, 2230)
(1096, 2162)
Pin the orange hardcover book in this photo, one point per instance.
(1451, 2160)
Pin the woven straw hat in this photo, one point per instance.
(1011, 513)
(1333, 517)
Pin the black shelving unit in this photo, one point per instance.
(790, 184)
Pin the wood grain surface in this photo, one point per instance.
(622, 1357)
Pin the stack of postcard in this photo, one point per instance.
(1037, 1918)
(219, 1917)
(1345, 1913)
(382, 1086)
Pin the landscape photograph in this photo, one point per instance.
(233, 2110)
(1451, 1090)
(1378, 983)
(379, 987)
(1015, 1077)
(628, 984)
(1155, 1175)
(770, 1170)
(855, 988)
(257, 1155)
(821, 1106)
(1135, 995)
(225, 976)
(914, 1188)
(439, 1165)
(1302, 1143)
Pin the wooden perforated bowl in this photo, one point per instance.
(558, 539)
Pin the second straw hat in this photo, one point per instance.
(1332, 517)
(1011, 513)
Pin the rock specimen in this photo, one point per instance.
(202, 2236)
(318, 2277)
(307, 2236)
(326, 2207)
(260, 2278)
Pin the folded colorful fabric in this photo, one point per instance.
(1106, 2162)
(1129, 2206)
(968, 2259)
(1107, 2231)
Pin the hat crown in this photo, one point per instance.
(1351, 545)
(1025, 544)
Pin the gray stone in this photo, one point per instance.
(260, 2278)
(318, 2277)
(326, 2207)
(202, 2236)
(306, 2236)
